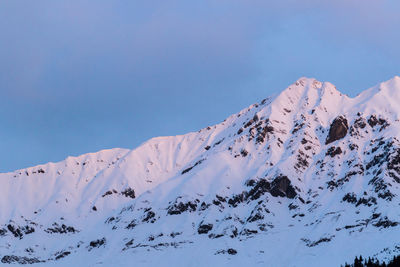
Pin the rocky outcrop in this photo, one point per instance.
(281, 186)
(338, 130)
(97, 243)
(128, 192)
(204, 228)
(20, 260)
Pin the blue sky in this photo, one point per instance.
(81, 76)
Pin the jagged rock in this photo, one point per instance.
(20, 260)
(60, 229)
(128, 192)
(232, 251)
(360, 123)
(373, 121)
(62, 254)
(366, 201)
(385, 223)
(179, 207)
(350, 197)
(149, 216)
(218, 142)
(236, 199)
(190, 168)
(3, 231)
(255, 216)
(205, 228)
(132, 224)
(338, 129)
(110, 192)
(19, 231)
(259, 188)
(317, 242)
(15, 231)
(129, 243)
(244, 152)
(281, 186)
(353, 146)
(333, 151)
(97, 243)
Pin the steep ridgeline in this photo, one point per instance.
(309, 177)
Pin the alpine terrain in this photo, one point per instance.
(309, 177)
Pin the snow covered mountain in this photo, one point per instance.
(310, 177)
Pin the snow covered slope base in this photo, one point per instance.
(309, 177)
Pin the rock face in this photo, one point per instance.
(338, 130)
(281, 186)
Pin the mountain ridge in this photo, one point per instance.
(310, 165)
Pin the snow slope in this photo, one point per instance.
(309, 177)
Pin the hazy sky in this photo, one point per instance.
(81, 76)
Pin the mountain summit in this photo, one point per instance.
(309, 177)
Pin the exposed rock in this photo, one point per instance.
(190, 168)
(247, 232)
(333, 151)
(366, 201)
(360, 123)
(19, 231)
(107, 193)
(132, 224)
(15, 231)
(179, 207)
(110, 192)
(97, 243)
(302, 162)
(150, 216)
(3, 231)
(219, 142)
(244, 152)
(60, 229)
(255, 216)
(236, 199)
(297, 127)
(353, 146)
(259, 188)
(204, 228)
(62, 254)
(19, 260)
(128, 192)
(373, 121)
(350, 197)
(281, 186)
(232, 251)
(317, 242)
(385, 223)
(338, 129)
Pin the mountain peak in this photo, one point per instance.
(306, 95)
(310, 170)
(392, 84)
